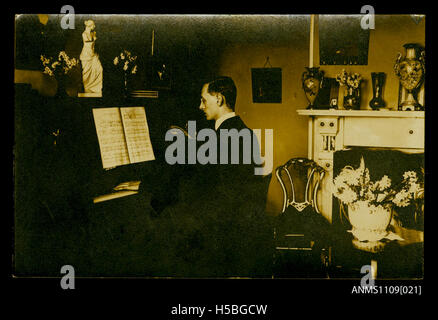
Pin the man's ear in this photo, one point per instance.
(220, 100)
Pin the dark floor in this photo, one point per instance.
(126, 237)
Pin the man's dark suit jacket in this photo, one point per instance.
(220, 228)
(235, 182)
(239, 199)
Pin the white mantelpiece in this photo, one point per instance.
(362, 113)
(332, 130)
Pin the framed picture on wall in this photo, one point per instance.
(342, 40)
(160, 76)
(266, 85)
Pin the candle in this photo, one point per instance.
(312, 26)
(152, 51)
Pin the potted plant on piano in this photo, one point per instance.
(370, 203)
(126, 62)
(59, 68)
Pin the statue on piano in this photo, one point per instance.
(92, 71)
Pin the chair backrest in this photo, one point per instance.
(300, 179)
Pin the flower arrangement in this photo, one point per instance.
(62, 65)
(126, 61)
(349, 80)
(354, 185)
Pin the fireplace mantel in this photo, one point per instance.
(362, 113)
(332, 130)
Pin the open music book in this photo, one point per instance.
(123, 135)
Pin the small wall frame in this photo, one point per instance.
(266, 85)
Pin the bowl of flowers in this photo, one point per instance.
(370, 203)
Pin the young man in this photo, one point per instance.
(218, 99)
(235, 167)
(235, 192)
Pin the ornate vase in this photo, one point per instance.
(311, 81)
(369, 222)
(378, 80)
(352, 99)
(410, 70)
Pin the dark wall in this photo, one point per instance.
(190, 52)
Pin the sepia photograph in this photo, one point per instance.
(219, 146)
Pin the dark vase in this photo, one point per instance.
(61, 89)
(311, 81)
(126, 85)
(352, 99)
(378, 80)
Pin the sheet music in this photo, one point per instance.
(114, 195)
(112, 143)
(137, 134)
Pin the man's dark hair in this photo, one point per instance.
(226, 87)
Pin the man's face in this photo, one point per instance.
(209, 104)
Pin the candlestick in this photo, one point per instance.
(152, 51)
(312, 27)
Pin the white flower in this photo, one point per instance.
(62, 55)
(48, 71)
(339, 181)
(45, 60)
(342, 191)
(419, 194)
(381, 196)
(370, 196)
(116, 61)
(353, 178)
(125, 67)
(346, 195)
(414, 188)
(410, 175)
(73, 62)
(383, 183)
(402, 198)
(349, 80)
(134, 70)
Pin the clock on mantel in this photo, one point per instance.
(332, 130)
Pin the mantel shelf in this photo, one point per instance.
(362, 113)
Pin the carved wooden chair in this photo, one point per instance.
(300, 231)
